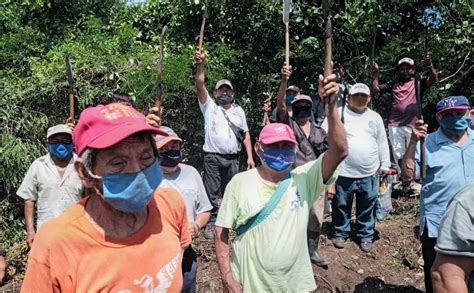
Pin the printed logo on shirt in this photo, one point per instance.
(372, 127)
(164, 278)
(296, 201)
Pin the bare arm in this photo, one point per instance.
(337, 142)
(266, 108)
(3, 266)
(248, 148)
(222, 244)
(432, 74)
(375, 78)
(408, 162)
(29, 210)
(200, 76)
(281, 103)
(449, 273)
(199, 222)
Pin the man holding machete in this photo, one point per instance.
(269, 207)
(449, 161)
(311, 143)
(225, 127)
(403, 113)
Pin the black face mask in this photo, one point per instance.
(224, 100)
(404, 77)
(170, 158)
(301, 112)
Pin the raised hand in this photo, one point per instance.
(419, 131)
(286, 71)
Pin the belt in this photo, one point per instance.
(225, 156)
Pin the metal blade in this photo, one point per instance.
(286, 11)
(162, 39)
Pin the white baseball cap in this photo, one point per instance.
(406, 60)
(359, 88)
(60, 128)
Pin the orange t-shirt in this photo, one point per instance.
(70, 255)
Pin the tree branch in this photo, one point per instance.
(457, 71)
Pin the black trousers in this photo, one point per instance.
(218, 170)
(429, 255)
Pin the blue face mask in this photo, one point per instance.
(279, 159)
(60, 150)
(455, 124)
(289, 100)
(224, 100)
(131, 192)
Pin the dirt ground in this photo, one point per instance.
(392, 265)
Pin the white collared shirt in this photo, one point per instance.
(52, 194)
(219, 137)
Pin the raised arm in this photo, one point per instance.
(408, 162)
(200, 76)
(375, 78)
(432, 74)
(337, 142)
(281, 96)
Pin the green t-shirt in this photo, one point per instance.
(272, 256)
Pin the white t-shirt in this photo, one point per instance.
(219, 137)
(188, 182)
(368, 145)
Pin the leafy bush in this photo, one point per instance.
(115, 45)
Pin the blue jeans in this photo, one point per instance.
(189, 267)
(366, 191)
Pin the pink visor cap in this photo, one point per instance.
(103, 126)
(276, 132)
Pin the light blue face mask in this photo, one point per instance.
(279, 159)
(455, 124)
(131, 192)
(60, 150)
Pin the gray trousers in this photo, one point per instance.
(218, 170)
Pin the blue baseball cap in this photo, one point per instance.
(452, 103)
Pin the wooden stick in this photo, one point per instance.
(287, 46)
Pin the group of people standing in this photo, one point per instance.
(116, 209)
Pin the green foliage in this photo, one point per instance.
(115, 48)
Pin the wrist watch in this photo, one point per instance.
(3, 253)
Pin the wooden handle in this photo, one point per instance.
(71, 106)
(201, 34)
(422, 158)
(328, 58)
(287, 46)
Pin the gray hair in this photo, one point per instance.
(88, 159)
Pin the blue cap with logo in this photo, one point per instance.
(452, 103)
